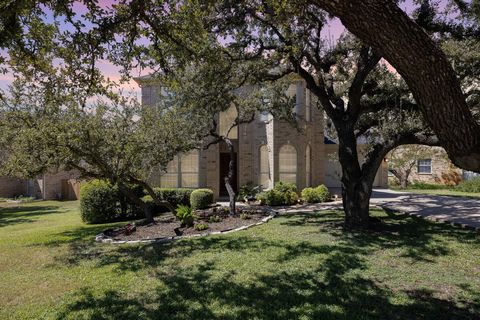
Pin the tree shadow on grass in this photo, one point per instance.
(420, 239)
(23, 214)
(325, 293)
(336, 288)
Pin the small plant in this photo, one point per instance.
(214, 219)
(201, 226)
(185, 215)
(245, 216)
(248, 192)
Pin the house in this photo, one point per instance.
(428, 165)
(267, 150)
(53, 185)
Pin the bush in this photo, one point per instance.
(214, 219)
(98, 202)
(281, 194)
(201, 226)
(248, 191)
(316, 195)
(285, 187)
(201, 198)
(185, 215)
(417, 185)
(472, 185)
(174, 196)
(245, 216)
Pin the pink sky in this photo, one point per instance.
(333, 31)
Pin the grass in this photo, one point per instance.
(300, 266)
(442, 192)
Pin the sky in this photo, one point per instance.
(332, 31)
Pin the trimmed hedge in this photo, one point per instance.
(283, 194)
(201, 198)
(99, 202)
(472, 185)
(175, 196)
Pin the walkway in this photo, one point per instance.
(459, 211)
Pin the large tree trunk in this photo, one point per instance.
(356, 190)
(229, 177)
(435, 87)
(356, 195)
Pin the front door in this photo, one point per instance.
(224, 162)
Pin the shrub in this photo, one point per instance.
(185, 215)
(248, 191)
(201, 198)
(316, 195)
(245, 216)
(98, 202)
(426, 186)
(472, 185)
(201, 226)
(281, 194)
(215, 218)
(174, 196)
(285, 187)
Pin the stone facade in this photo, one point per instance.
(443, 171)
(274, 134)
(54, 185)
(12, 187)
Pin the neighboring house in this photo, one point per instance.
(267, 150)
(54, 185)
(434, 166)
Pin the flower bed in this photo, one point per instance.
(167, 227)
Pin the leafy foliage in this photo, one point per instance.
(315, 195)
(248, 191)
(185, 215)
(98, 202)
(472, 185)
(201, 226)
(174, 196)
(282, 194)
(201, 198)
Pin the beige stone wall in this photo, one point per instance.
(334, 170)
(443, 170)
(12, 187)
(55, 185)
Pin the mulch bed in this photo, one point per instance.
(167, 225)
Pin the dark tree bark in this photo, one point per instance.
(425, 68)
(356, 190)
(228, 178)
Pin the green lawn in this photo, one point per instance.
(301, 266)
(442, 192)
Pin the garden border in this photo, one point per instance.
(102, 238)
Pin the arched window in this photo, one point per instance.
(288, 164)
(308, 167)
(182, 172)
(264, 177)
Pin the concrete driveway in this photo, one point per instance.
(459, 211)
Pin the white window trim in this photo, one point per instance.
(418, 167)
